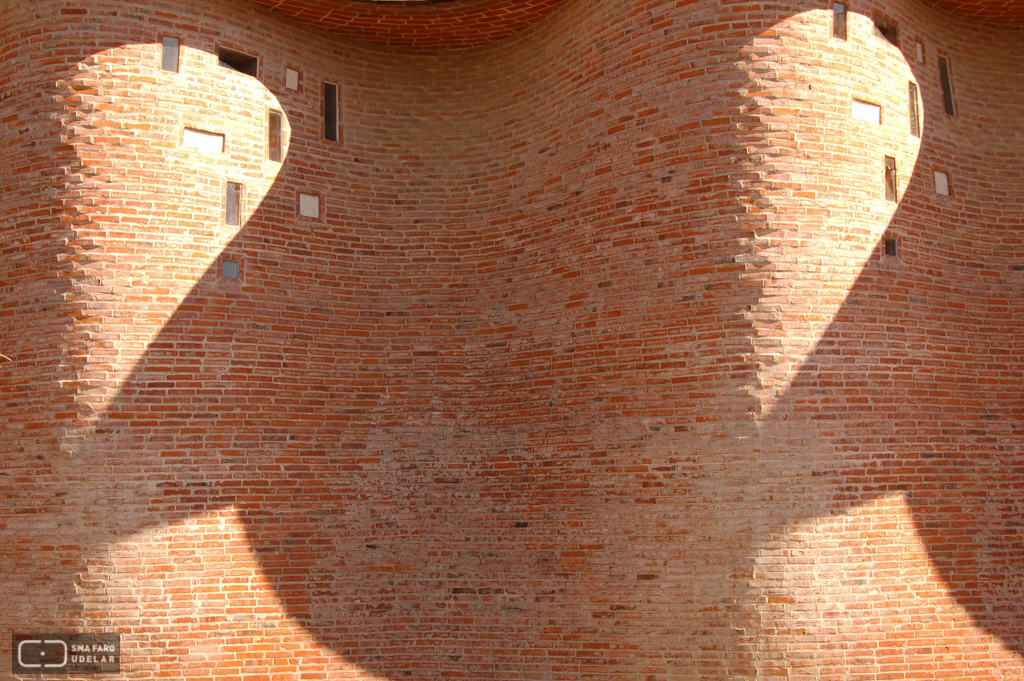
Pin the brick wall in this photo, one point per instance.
(592, 366)
(419, 24)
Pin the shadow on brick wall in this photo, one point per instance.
(502, 413)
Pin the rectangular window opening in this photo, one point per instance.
(291, 79)
(920, 52)
(229, 269)
(839, 20)
(233, 204)
(947, 86)
(913, 110)
(203, 140)
(890, 32)
(890, 178)
(274, 145)
(331, 112)
(891, 246)
(941, 183)
(866, 111)
(237, 61)
(169, 55)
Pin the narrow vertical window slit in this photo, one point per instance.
(274, 144)
(331, 112)
(947, 86)
(915, 113)
(890, 178)
(233, 204)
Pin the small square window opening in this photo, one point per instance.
(890, 32)
(229, 269)
(309, 205)
(891, 246)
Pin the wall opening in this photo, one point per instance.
(169, 54)
(941, 183)
(229, 269)
(890, 178)
(331, 112)
(891, 246)
(291, 79)
(866, 111)
(238, 61)
(839, 20)
(233, 204)
(309, 205)
(889, 31)
(947, 86)
(274, 142)
(203, 140)
(913, 110)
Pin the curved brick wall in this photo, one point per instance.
(593, 368)
(985, 10)
(420, 24)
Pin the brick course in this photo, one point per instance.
(593, 365)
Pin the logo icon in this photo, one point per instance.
(66, 653)
(38, 653)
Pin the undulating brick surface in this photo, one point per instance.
(593, 365)
(418, 25)
(1001, 11)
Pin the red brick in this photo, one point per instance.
(592, 366)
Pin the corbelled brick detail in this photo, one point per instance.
(592, 365)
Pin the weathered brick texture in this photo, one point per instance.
(593, 365)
